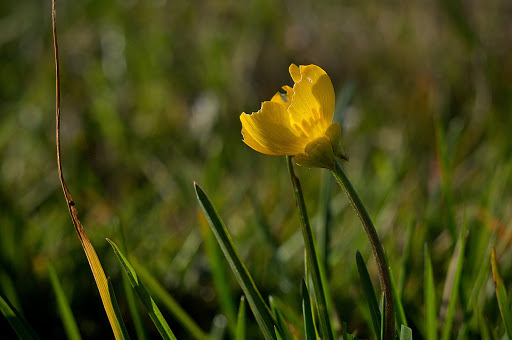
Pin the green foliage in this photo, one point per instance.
(117, 312)
(145, 298)
(405, 333)
(168, 301)
(501, 295)
(313, 263)
(309, 326)
(451, 288)
(241, 324)
(17, 321)
(259, 308)
(66, 315)
(369, 293)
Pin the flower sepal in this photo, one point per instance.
(321, 152)
(334, 134)
(317, 154)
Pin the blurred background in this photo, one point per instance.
(151, 97)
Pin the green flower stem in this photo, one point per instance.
(309, 244)
(378, 251)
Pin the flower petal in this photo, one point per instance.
(269, 131)
(253, 143)
(295, 73)
(333, 133)
(312, 107)
(289, 95)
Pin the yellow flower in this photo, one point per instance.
(298, 123)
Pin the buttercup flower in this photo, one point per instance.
(298, 123)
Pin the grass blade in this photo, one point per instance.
(278, 336)
(68, 320)
(483, 325)
(482, 275)
(313, 262)
(219, 275)
(172, 306)
(451, 290)
(8, 289)
(405, 333)
(145, 298)
(376, 245)
(430, 299)
(140, 328)
(17, 321)
(116, 309)
(501, 294)
(309, 326)
(241, 324)
(323, 230)
(346, 336)
(258, 306)
(90, 253)
(369, 293)
(400, 313)
(281, 323)
(382, 315)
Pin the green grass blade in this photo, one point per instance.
(382, 316)
(309, 326)
(346, 336)
(116, 309)
(68, 320)
(501, 294)
(324, 207)
(376, 245)
(8, 289)
(482, 275)
(462, 332)
(278, 335)
(369, 293)
(291, 314)
(451, 290)
(17, 321)
(219, 275)
(483, 325)
(400, 313)
(405, 333)
(430, 298)
(159, 292)
(281, 323)
(241, 324)
(311, 254)
(140, 328)
(258, 306)
(145, 298)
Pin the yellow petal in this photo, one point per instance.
(278, 98)
(269, 131)
(289, 94)
(295, 73)
(249, 140)
(312, 107)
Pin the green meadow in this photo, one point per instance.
(200, 236)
